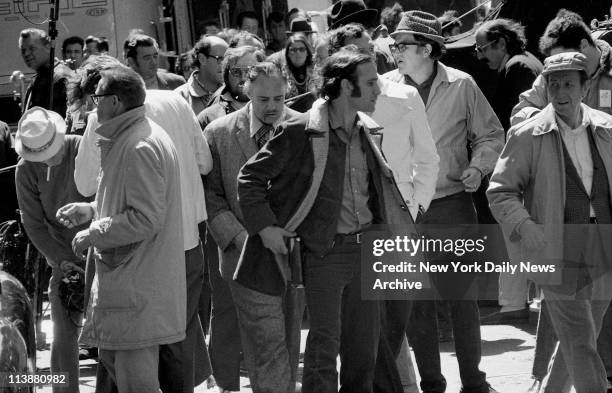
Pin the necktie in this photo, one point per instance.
(262, 135)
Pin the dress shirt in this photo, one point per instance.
(354, 211)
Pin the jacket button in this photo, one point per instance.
(403, 207)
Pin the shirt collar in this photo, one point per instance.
(564, 128)
(113, 127)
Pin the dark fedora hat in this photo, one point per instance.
(420, 23)
(352, 11)
(299, 25)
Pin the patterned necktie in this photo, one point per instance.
(262, 135)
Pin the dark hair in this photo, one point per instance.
(391, 16)
(134, 41)
(299, 37)
(242, 38)
(211, 22)
(186, 59)
(276, 17)
(245, 14)
(34, 33)
(339, 36)
(448, 21)
(300, 13)
(232, 55)
(437, 50)
(339, 66)
(92, 38)
(126, 84)
(512, 32)
(566, 30)
(86, 78)
(266, 68)
(71, 41)
(103, 44)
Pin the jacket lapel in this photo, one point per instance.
(243, 133)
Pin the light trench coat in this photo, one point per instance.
(138, 295)
(529, 183)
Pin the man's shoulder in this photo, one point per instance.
(454, 75)
(173, 80)
(599, 118)
(524, 61)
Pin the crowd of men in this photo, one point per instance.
(182, 208)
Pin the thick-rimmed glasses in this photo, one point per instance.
(239, 72)
(480, 49)
(95, 98)
(400, 47)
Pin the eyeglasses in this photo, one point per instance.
(95, 98)
(400, 47)
(297, 49)
(480, 49)
(218, 58)
(239, 72)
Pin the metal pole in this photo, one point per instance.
(53, 17)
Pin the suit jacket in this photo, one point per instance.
(169, 81)
(272, 184)
(231, 146)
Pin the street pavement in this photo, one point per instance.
(507, 356)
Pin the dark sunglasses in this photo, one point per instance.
(239, 72)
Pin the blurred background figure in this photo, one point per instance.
(277, 28)
(450, 24)
(72, 51)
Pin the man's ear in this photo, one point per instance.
(427, 49)
(502, 44)
(131, 62)
(584, 44)
(202, 58)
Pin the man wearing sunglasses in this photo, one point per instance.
(459, 116)
(231, 96)
(207, 58)
(501, 44)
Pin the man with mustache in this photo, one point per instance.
(234, 139)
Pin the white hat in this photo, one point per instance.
(40, 134)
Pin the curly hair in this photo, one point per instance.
(511, 31)
(566, 30)
(341, 65)
(339, 36)
(266, 68)
(391, 16)
(232, 55)
(86, 78)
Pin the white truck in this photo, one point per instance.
(107, 18)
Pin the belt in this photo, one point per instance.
(350, 238)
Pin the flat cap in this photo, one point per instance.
(566, 61)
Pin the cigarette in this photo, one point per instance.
(48, 172)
